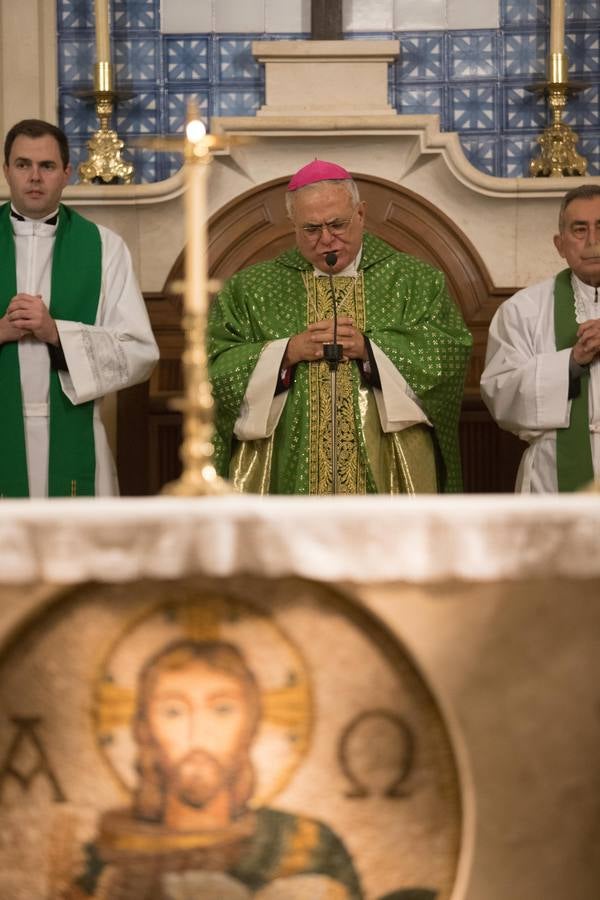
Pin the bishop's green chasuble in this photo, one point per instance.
(75, 291)
(401, 304)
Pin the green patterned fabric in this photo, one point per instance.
(409, 315)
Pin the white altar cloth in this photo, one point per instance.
(356, 540)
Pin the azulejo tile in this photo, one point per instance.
(583, 11)
(475, 81)
(473, 55)
(77, 115)
(237, 101)
(583, 50)
(177, 103)
(136, 61)
(583, 110)
(589, 147)
(517, 153)
(523, 12)
(235, 60)
(76, 62)
(523, 109)
(186, 59)
(146, 164)
(420, 100)
(482, 152)
(172, 162)
(524, 54)
(135, 14)
(140, 115)
(151, 166)
(421, 58)
(75, 14)
(473, 107)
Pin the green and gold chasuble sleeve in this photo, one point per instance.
(235, 340)
(398, 302)
(412, 318)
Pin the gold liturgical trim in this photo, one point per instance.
(402, 462)
(250, 466)
(352, 472)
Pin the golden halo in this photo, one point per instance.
(277, 664)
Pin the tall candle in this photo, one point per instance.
(195, 256)
(557, 26)
(102, 33)
(196, 294)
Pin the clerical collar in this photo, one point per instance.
(351, 269)
(52, 219)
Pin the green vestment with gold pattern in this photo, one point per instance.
(401, 304)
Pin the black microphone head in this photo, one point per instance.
(331, 259)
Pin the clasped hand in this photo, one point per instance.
(27, 314)
(308, 345)
(588, 342)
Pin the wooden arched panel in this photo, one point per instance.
(254, 227)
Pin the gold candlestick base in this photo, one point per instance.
(558, 155)
(198, 478)
(104, 163)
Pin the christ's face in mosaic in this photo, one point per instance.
(199, 718)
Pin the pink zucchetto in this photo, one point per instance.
(317, 170)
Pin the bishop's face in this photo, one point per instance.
(321, 205)
(579, 238)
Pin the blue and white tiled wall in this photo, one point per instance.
(473, 78)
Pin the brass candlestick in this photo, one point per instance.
(198, 477)
(104, 163)
(558, 155)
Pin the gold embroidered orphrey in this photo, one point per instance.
(352, 470)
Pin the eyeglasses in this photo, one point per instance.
(336, 227)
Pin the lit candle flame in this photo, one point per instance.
(195, 130)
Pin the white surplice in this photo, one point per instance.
(525, 383)
(119, 350)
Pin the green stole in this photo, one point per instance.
(75, 291)
(574, 466)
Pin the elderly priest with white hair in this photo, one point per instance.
(542, 374)
(339, 366)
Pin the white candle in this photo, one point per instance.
(102, 32)
(196, 293)
(557, 26)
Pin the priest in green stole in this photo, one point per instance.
(385, 418)
(542, 375)
(73, 327)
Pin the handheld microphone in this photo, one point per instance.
(332, 353)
